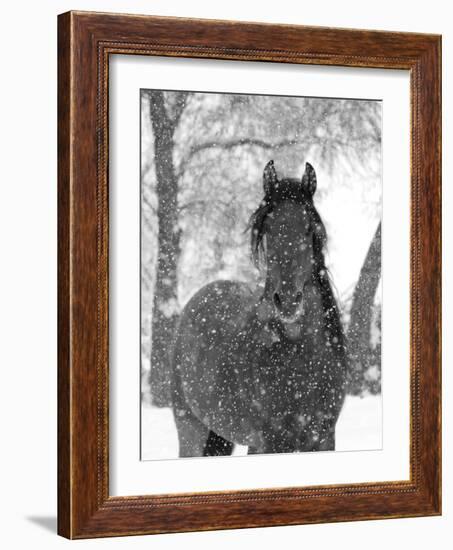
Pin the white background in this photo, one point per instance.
(28, 271)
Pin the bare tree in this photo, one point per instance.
(165, 118)
(360, 350)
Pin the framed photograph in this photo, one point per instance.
(249, 275)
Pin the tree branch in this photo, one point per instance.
(231, 144)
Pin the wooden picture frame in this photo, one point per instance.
(85, 42)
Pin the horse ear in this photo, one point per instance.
(269, 177)
(309, 179)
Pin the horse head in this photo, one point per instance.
(288, 234)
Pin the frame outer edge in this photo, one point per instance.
(438, 171)
(428, 275)
(64, 527)
(85, 303)
(435, 174)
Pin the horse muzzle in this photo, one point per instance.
(289, 310)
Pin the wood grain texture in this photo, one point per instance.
(85, 42)
(64, 368)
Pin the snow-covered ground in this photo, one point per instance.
(359, 428)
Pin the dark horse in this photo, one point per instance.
(265, 369)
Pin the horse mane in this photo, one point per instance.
(291, 189)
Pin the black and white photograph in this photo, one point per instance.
(260, 274)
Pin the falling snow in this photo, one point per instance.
(250, 344)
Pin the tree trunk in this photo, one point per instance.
(165, 305)
(361, 313)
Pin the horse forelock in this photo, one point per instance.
(287, 189)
